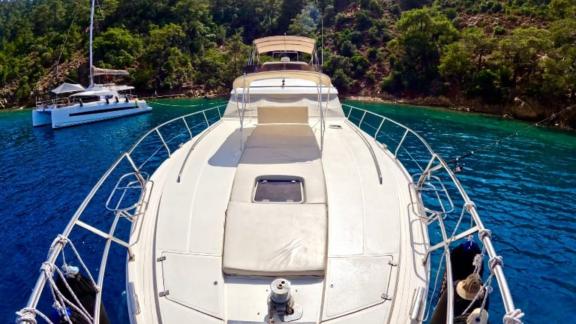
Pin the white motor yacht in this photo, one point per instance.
(72, 104)
(283, 206)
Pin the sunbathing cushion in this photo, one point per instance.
(267, 239)
(270, 115)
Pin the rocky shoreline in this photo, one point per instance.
(564, 118)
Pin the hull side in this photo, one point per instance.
(41, 118)
(83, 115)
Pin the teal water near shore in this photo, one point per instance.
(524, 189)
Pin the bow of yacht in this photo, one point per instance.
(286, 206)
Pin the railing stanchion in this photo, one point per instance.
(138, 174)
(400, 143)
(361, 120)
(205, 118)
(378, 129)
(163, 141)
(449, 278)
(187, 127)
(425, 172)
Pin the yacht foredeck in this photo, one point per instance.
(282, 210)
(215, 251)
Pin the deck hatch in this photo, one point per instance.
(279, 190)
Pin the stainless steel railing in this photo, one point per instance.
(53, 102)
(432, 177)
(163, 139)
(439, 190)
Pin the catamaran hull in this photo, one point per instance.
(41, 118)
(77, 115)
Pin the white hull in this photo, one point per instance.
(284, 210)
(88, 113)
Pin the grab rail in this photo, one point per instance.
(49, 269)
(434, 165)
(56, 102)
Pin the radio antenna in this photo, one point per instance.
(321, 9)
(322, 38)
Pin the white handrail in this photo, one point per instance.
(435, 164)
(28, 313)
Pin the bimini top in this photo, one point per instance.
(67, 88)
(285, 43)
(103, 90)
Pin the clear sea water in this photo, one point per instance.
(524, 188)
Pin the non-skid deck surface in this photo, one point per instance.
(277, 239)
(370, 230)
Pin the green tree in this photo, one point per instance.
(521, 52)
(478, 44)
(306, 22)
(559, 66)
(166, 51)
(210, 69)
(461, 61)
(289, 10)
(360, 65)
(195, 18)
(340, 68)
(417, 49)
(487, 84)
(237, 54)
(456, 64)
(562, 8)
(117, 48)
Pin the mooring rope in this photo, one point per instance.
(458, 167)
(60, 300)
(28, 315)
(513, 317)
(170, 105)
(209, 105)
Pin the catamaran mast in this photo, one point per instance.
(91, 66)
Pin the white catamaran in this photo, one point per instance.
(282, 206)
(72, 104)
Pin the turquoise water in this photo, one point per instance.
(524, 189)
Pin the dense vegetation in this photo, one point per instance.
(504, 56)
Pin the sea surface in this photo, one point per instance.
(524, 188)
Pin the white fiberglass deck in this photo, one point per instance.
(353, 250)
(284, 189)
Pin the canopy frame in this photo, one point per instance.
(66, 88)
(283, 44)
